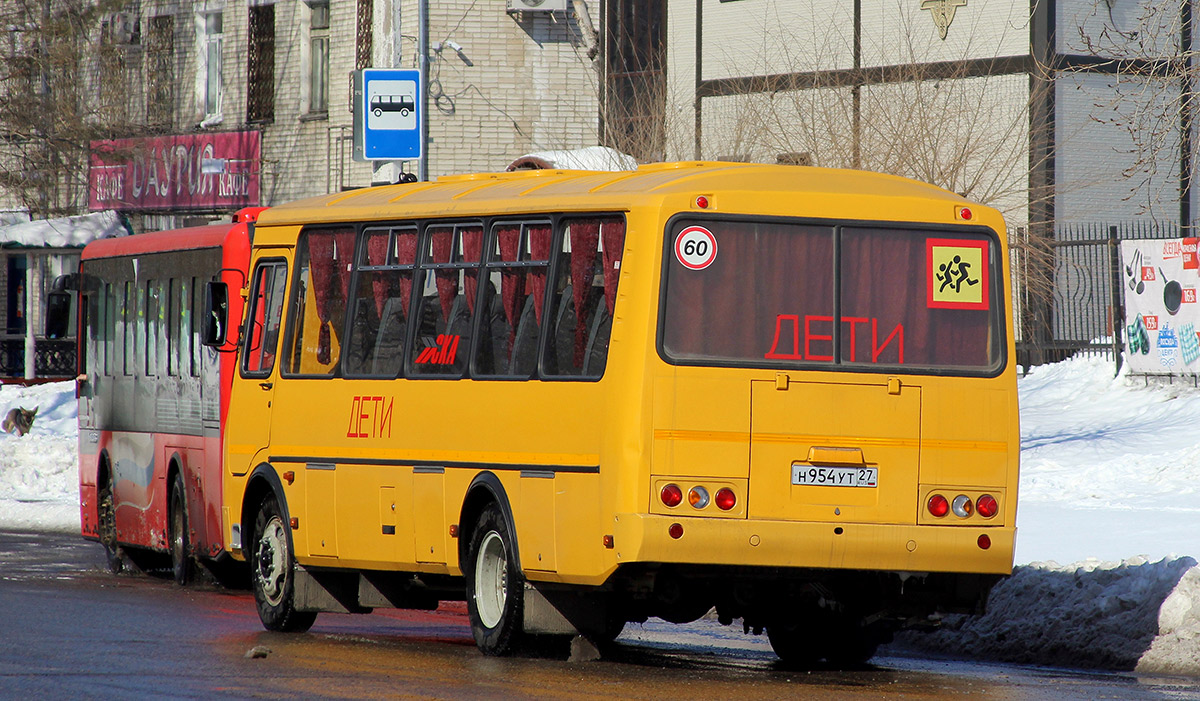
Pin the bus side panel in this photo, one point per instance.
(89, 466)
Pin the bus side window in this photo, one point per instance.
(128, 326)
(588, 270)
(319, 298)
(380, 303)
(266, 310)
(518, 258)
(445, 312)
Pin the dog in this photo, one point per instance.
(19, 421)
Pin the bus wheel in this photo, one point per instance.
(495, 594)
(181, 560)
(795, 644)
(108, 530)
(272, 562)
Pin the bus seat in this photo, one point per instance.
(599, 331)
(523, 361)
(389, 343)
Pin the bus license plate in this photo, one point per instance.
(811, 475)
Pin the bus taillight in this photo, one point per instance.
(938, 506)
(726, 499)
(698, 497)
(987, 506)
(671, 495)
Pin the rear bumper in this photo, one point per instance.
(898, 548)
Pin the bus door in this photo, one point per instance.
(259, 341)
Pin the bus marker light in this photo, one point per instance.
(987, 506)
(726, 499)
(702, 202)
(675, 531)
(962, 506)
(289, 476)
(965, 214)
(698, 497)
(985, 542)
(671, 495)
(454, 530)
(295, 523)
(938, 506)
(608, 542)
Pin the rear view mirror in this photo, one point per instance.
(58, 314)
(216, 314)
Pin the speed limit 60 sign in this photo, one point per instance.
(695, 248)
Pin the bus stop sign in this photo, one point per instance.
(387, 114)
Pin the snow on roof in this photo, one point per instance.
(66, 232)
(588, 158)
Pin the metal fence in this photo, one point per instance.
(1068, 296)
(51, 358)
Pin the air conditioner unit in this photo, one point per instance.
(537, 5)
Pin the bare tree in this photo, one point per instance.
(62, 88)
(1137, 66)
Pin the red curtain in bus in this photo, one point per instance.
(472, 243)
(377, 249)
(512, 280)
(540, 239)
(612, 234)
(406, 254)
(585, 237)
(330, 253)
(884, 291)
(447, 280)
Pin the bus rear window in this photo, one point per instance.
(788, 294)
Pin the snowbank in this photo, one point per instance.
(64, 232)
(39, 475)
(1125, 615)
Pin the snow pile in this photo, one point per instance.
(39, 474)
(1176, 650)
(64, 232)
(587, 158)
(1106, 615)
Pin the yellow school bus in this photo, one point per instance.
(577, 399)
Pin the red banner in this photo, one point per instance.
(193, 171)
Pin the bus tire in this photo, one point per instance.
(795, 645)
(181, 545)
(495, 588)
(107, 527)
(274, 582)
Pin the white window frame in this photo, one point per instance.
(206, 42)
(308, 65)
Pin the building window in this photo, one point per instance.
(160, 70)
(212, 35)
(318, 43)
(363, 44)
(260, 66)
(634, 100)
(116, 35)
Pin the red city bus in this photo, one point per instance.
(152, 397)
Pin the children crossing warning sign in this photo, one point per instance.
(956, 273)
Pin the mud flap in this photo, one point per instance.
(556, 611)
(333, 592)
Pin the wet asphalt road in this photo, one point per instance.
(69, 629)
